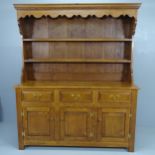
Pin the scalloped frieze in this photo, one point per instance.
(82, 13)
(83, 10)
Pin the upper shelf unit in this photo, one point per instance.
(84, 42)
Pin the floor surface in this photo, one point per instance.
(145, 145)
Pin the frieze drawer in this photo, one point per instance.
(70, 96)
(36, 96)
(114, 96)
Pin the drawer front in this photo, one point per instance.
(37, 96)
(114, 96)
(79, 96)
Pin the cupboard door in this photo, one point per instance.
(76, 124)
(38, 123)
(113, 125)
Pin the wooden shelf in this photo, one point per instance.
(77, 60)
(77, 40)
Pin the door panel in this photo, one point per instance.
(76, 124)
(113, 124)
(38, 123)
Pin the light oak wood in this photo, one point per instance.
(77, 85)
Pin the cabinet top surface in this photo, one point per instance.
(75, 84)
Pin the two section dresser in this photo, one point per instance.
(77, 84)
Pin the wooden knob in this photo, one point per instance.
(114, 97)
(72, 95)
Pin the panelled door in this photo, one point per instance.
(38, 123)
(77, 124)
(113, 124)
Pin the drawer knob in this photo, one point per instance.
(76, 96)
(114, 97)
(72, 95)
(37, 95)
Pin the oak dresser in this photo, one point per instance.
(77, 86)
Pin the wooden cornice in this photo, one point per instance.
(84, 10)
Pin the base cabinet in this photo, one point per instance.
(76, 117)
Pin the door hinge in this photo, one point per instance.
(23, 134)
(130, 115)
(22, 114)
(129, 136)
